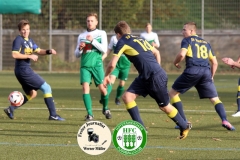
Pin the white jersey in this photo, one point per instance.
(113, 42)
(99, 42)
(150, 37)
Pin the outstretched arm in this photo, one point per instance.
(110, 67)
(231, 62)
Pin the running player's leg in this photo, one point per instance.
(207, 89)
(85, 80)
(176, 102)
(27, 78)
(98, 76)
(181, 85)
(49, 101)
(123, 76)
(135, 89)
(157, 89)
(237, 114)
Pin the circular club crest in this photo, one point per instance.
(94, 137)
(129, 137)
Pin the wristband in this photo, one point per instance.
(48, 51)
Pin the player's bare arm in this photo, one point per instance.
(17, 55)
(157, 55)
(231, 62)
(106, 54)
(180, 57)
(214, 65)
(111, 66)
(238, 60)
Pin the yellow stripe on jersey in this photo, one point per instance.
(238, 88)
(128, 50)
(131, 105)
(173, 113)
(189, 51)
(211, 56)
(16, 51)
(36, 50)
(216, 102)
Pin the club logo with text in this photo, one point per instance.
(129, 137)
(94, 137)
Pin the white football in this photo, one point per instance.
(16, 98)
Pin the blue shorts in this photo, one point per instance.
(198, 77)
(28, 78)
(155, 86)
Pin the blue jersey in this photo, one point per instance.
(139, 52)
(24, 46)
(199, 51)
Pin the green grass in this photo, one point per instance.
(32, 136)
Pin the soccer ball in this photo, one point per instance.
(16, 98)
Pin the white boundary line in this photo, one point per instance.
(147, 147)
(115, 109)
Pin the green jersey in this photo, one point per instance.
(91, 55)
(123, 61)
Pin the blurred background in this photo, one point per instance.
(61, 21)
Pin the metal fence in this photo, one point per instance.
(61, 21)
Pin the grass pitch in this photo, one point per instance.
(32, 136)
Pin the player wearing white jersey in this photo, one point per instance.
(91, 46)
(150, 36)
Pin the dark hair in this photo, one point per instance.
(122, 28)
(22, 23)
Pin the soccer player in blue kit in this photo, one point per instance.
(23, 50)
(198, 73)
(152, 78)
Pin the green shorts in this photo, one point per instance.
(89, 73)
(121, 74)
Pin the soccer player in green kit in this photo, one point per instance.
(121, 71)
(91, 46)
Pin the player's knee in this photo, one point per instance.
(124, 97)
(102, 89)
(167, 109)
(46, 88)
(121, 83)
(32, 95)
(128, 97)
(172, 93)
(215, 100)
